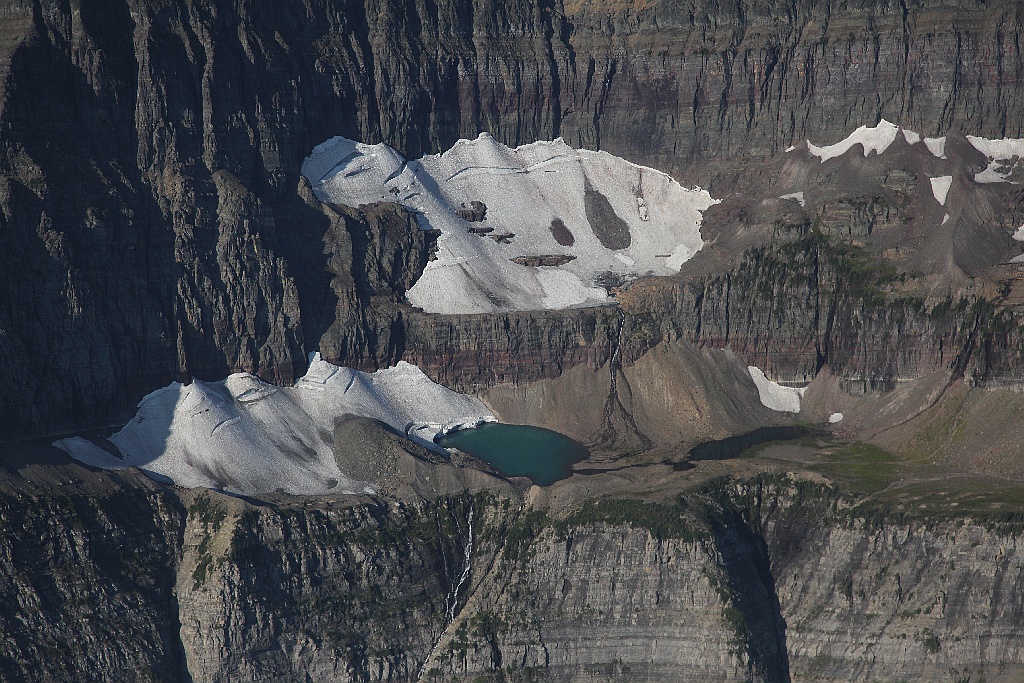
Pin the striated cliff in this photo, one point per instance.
(156, 227)
(770, 579)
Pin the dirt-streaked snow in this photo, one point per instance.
(773, 395)
(248, 437)
(872, 138)
(524, 189)
(940, 188)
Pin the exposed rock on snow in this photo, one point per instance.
(1003, 157)
(248, 437)
(797, 196)
(773, 395)
(547, 197)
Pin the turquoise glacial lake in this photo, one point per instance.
(542, 455)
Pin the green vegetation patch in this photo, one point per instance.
(861, 467)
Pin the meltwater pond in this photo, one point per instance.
(520, 450)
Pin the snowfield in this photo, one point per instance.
(773, 395)
(1003, 156)
(872, 138)
(248, 437)
(940, 188)
(542, 199)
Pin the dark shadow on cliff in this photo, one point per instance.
(92, 280)
(753, 607)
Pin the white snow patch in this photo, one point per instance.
(834, 418)
(945, 219)
(798, 196)
(1017, 259)
(773, 395)
(563, 289)
(937, 146)
(1019, 234)
(940, 188)
(524, 190)
(1003, 156)
(248, 437)
(911, 137)
(790, 148)
(873, 138)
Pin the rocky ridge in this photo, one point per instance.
(222, 262)
(771, 579)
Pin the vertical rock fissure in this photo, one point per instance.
(632, 440)
(753, 608)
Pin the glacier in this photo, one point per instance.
(607, 215)
(245, 436)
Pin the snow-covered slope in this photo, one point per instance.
(1003, 158)
(876, 139)
(870, 138)
(249, 437)
(546, 198)
(775, 396)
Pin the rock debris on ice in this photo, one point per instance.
(624, 219)
(775, 396)
(1003, 156)
(248, 437)
(797, 196)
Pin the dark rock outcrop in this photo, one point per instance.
(155, 225)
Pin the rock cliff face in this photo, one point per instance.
(114, 577)
(155, 226)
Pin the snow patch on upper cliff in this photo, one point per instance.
(877, 139)
(614, 216)
(773, 395)
(872, 138)
(248, 437)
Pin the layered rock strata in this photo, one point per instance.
(156, 227)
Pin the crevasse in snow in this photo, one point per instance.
(248, 437)
(542, 199)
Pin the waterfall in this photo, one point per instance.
(453, 597)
